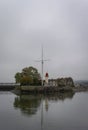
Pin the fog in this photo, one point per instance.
(60, 26)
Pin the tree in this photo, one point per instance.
(18, 77)
(26, 80)
(29, 75)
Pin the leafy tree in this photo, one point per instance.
(26, 80)
(29, 75)
(18, 77)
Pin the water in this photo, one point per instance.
(38, 112)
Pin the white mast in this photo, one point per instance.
(42, 66)
(42, 62)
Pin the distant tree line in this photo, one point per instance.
(28, 76)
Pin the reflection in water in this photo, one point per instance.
(29, 104)
(57, 96)
(44, 112)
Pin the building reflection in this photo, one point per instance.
(29, 104)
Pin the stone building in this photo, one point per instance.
(60, 82)
(52, 82)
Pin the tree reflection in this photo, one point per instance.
(29, 104)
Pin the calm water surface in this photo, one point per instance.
(38, 112)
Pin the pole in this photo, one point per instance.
(42, 66)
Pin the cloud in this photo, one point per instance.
(61, 26)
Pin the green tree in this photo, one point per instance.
(18, 77)
(29, 75)
(26, 80)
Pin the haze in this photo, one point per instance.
(61, 26)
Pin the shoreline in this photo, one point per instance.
(49, 89)
(44, 89)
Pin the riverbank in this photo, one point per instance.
(48, 89)
(44, 89)
(7, 88)
(80, 88)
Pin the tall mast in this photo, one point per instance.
(42, 62)
(42, 65)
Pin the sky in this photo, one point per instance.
(60, 26)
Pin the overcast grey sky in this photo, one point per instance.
(61, 26)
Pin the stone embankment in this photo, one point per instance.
(47, 89)
(63, 85)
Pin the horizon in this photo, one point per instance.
(60, 26)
